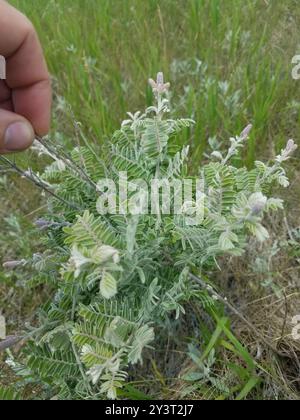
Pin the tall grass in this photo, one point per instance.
(100, 53)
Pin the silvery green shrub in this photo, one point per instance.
(119, 276)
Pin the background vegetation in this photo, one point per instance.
(229, 63)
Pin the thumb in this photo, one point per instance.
(16, 133)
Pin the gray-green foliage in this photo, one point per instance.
(117, 277)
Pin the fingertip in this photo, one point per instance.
(16, 133)
(18, 136)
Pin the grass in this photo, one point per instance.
(101, 52)
(229, 63)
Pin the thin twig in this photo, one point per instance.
(9, 342)
(285, 317)
(38, 183)
(288, 227)
(68, 161)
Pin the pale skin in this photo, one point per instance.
(25, 94)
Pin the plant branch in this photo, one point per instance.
(9, 342)
(68, 161)
(38, 183)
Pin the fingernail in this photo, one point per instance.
(18, 136)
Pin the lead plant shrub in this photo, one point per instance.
(118, 277)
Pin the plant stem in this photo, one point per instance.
(38, 183)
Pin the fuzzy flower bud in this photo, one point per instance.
(245, 133)
(11, 265)
(159, 87)
(286, 153)
(42, 224)
(257, 203)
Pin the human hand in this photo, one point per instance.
(25, 94)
